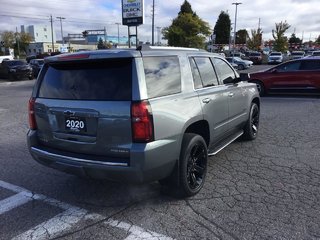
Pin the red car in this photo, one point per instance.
(301, 75)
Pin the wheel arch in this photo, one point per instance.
(201, 128)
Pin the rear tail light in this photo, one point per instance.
(142, 122)
(32, 117)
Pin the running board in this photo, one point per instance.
(224, 144)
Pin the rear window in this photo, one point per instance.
(87, 80)
(163, 75)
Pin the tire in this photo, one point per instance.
(252, 126)
(193, 165)
(240, 67)
(260, 87)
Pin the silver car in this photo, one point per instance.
(139, 115)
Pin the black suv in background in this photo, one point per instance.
(15, 70)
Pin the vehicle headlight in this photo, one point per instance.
(12, 70)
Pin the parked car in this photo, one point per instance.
(142, 115)
(36, 65)
(15, 69)
(275, 58)
(255, 57)
(242, 64)
(297, 55)
(315, 53)
(5, 57)
(237, 54)
(302, 75)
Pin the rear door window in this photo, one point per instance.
(87, 80)
(163, 76)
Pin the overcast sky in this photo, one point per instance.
(80, 15)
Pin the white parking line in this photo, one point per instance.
(13, 202)
(59, 223)
(65, 220)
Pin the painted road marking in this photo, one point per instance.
(13, 202)
(67, 219)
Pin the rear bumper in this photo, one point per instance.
(148, 162)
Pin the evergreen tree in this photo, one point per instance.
(222, 28)
(101, 44)
(185, 8)
(187, 29)
(242, 36)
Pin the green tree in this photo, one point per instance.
(187, 29)
(254, 42)
(101, 44)
(242, 36)
(8, 38)
(186, 8)
(24, 40)
(280, 41)
(318, 40)
(294, 39)
(222, 28)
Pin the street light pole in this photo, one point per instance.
(152, 23)
(61, 29)
(235, 25)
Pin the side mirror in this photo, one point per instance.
(244, 76)
(230, 80)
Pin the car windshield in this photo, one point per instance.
(15, 63)
(297, 53)
(317, 53)
(275, 54)
(237, 59)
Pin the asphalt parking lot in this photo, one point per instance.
(265, 189)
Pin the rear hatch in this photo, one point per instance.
(83, 107)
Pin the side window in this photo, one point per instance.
(224, 71)
(163, 76)
(310, 65)
(206, 71)
(196, 75)
(291, 66)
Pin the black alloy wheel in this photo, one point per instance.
(252, 125)
(193, 164)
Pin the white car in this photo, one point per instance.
(8, 57)
(275, 58)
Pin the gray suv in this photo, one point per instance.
(139, 115)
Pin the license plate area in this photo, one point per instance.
(75, 124)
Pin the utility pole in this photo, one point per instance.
(52, 33)
(159, 32)
(235, 25)
(61, 29)
(152, 22)
(18, 41)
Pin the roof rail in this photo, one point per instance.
(146, 47)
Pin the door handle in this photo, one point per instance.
(206, 100)
(231, 94)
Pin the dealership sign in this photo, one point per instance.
(132, 12)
